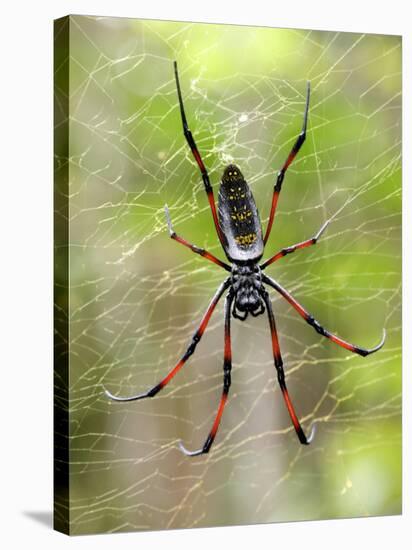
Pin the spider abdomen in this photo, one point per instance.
(239, 218)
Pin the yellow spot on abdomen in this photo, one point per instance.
(240, 216)
(246, 240)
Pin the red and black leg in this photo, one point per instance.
(193, 147)
(281, 174)
(277, 357)
(316, 325)
(290, 249)
(193, 248)
(189, 351)
(227, 367)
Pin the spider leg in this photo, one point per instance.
(193, 247)
(189, 351)
(227, 367)
(290, 249)
(315, 324)
(280, 177)
(193, 147)
(277, 357)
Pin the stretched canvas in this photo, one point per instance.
(279, 160)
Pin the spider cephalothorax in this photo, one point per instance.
(247, 287)
(239, 229)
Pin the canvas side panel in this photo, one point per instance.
(61, 275)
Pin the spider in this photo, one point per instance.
(239, 230)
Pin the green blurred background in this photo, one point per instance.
(136, 296)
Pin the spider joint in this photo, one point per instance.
(206, 182)
(315, 324)
(198, 250)
(208, 444)
(281, 372)
(279, 181)
(154, 390)
(191, 349)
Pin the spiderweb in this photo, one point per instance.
(136, 297)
